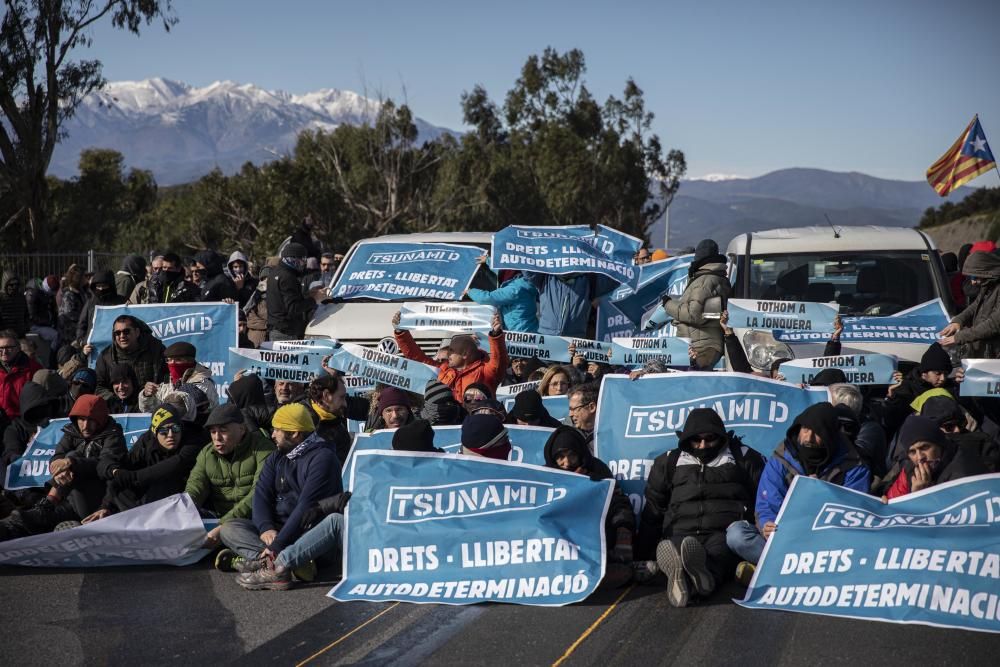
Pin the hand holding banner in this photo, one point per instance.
(456, 317)
(781, 315)
(919, 324)
(859, 368)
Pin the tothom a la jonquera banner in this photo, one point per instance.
(407, 271)
(859, 368)
(982, 378)
(289, 365)
(637, 420)
(930, 557)
(452, 529)
(781, 315)
(382, 367)
(453, 317)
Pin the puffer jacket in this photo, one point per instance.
(93, 458)
(218, 285)
(12, 380)
(148, 362)
(200, 376)
(979, 336)
(225, 484)
(517, 300)
(71, 302)
(688, 310)
(489, 369)
(160, 472)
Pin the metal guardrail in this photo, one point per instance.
(38, 265)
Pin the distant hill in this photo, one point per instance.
(951, 236)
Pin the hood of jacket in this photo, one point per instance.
(211, 260)
(711, 266)
(247, 391)
(34, 397)
(567, 438)
(979, 264)
(7, 277)
(237, 256)
(821, 419)
(135, 265)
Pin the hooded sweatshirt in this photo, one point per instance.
(36, 411)
(133, 271)
(218, 285)
(980, 320)
(249, 282)
(131, 402)
(93, 458)
(955, 462)
(247, 394)
(14, 307)
(108, 298)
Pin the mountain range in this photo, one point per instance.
(181, 132)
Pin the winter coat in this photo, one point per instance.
(225, 484)
(177, 290)
(247, 394)
(687, 497)
(92, 460)
(133, 271)
(688, 310)
(71, 302)
(564, 302)
(147, 361)
(249, 282)
(256, 310)
(517, 300)
(13, 307)
(87, 316)
(956, 463)
(36, 409)
(287, 487)
(333, 429)
(980, 320)
(288, 310)
(159, 472)
(489, 369)
(897, 407)
(42, 309)
(200, 376)
(12, 380)
(217, 285)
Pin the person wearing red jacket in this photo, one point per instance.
(16, 369)
(466, 364)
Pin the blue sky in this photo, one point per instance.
(742, 87)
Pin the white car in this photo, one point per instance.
(867, 270)
(368, 321)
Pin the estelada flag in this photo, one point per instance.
(968, 157)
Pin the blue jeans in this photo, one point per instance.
(744, 540)
(325, 538)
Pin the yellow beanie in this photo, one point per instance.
(293, 417)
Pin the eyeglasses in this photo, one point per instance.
(9, 348)
(574, 408)
(122, 333)
(707, 438)
(171, 428)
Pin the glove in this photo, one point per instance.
(126, 478)
(664, 299)
(335, 504)
(313, 515)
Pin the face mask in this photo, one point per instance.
(812, 457)
(970, 290)
(707, 454)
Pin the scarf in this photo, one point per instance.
(323, 415)
(178, 369)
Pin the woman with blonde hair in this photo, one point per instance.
(558, 379)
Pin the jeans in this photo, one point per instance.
(745, 541)
(326, 537)
(241, 536)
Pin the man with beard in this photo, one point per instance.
(932, 458)
(331, 407)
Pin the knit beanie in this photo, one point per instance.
(294, 250)
(920, 429)
(165, 415)
(391, 396)
(293, 417)
(935, 358)
(528, 406)
(417, 436)
(485, 435)
(85, 376)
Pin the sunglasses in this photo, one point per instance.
(171, 428)
(708, 438)
(122, 333)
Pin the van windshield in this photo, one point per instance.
(875, 283)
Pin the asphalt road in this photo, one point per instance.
(197, 616)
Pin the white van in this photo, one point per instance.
(368, 322)
(868, 270)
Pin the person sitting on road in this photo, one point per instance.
(933, 372)
(285, 392)
(302, 471)
(529, 410)
(183, 368)
(485, 435)
(865, 433)
(960, 429)
(932, 458)
(331, 407)
(466, 364)
(226, 470)
(813, 446)
(133, 344)
(693, 494)
(474, 393)
(83, 382)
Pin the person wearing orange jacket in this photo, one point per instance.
(466, 363)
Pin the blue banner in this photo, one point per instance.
(556, 406)
(527, 442)
(402, 271)
(543, 347)
(859, 368)
(560, 251)
(919, 324)
(982, 378)
(669, 276)
(382, 367)
(638, 351)
(930, 557)
(32, 469)
(781, 315)
(610, 241)
(290, 365)
(211, 327)
(637, 420)
(454, 317)
(446, 529)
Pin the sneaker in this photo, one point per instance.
(644, 570)
(228, 560)
(66, 525)
(305, 572)
(694, 560)
(744, 572)
(266, 578)
(669, 562)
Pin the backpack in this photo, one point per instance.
(735, 448)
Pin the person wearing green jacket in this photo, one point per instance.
(226, 470)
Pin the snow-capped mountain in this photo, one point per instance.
(181, 132)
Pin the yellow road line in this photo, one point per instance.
(593, 626)
(332, 644)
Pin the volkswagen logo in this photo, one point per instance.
(388, 345)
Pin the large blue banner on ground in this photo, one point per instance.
(211, 327)
(931, 557)
(919, 324)
(291, 365)
(561, 251)
(669, 276)
(407, 271)
(164, 532)
(637, 420)
(447, 529)
(859, 368)
(32, 469)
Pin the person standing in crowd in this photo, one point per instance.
(71, 301)
(976, 330)
(43, 313)
(239, 271)
(170, 285)
(104, 295)
(14, 305)
(288, 310)
(140, 293)
(707, 289)
(256, 310)
(16, 369)
(215, 284)
(328, 263)
(931, 458)
(132, 273)
(466, 364)
(693, 494)
(516, 297)
(565, 301)
(183, 368)
(132, 343)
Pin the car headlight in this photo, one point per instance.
(762, 349)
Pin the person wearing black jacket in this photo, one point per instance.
(208, 266)
(133, 344)
(331, 407)
(125, 390)
(247, 393)
(288, 310)
(529, 410)
(170, 285)
(693, 493)
(37, 409)
(933, 372)
(104, 294)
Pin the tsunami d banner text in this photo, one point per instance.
(401, 271)
(454, 317)
(930, 557)
(859, 368)
(447, 529)
(637, 420)
(781, 315)
(561, 251)
(919, 324)
(290, 365)
(376, 366)
(211, 327)
(165, 532)
(982, 378)
(32, 469)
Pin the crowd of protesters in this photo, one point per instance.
(266, 462)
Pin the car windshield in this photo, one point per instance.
(875, 283)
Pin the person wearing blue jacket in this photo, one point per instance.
(814, 446)
(565, 301)
(302, 471)
(517, 299)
